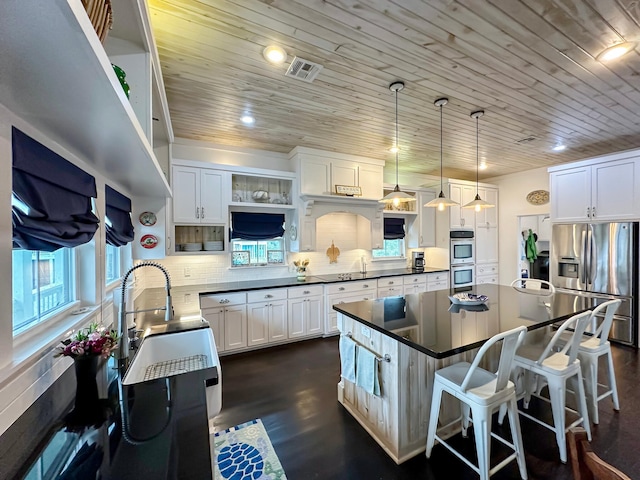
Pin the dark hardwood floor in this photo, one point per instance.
(293, 390)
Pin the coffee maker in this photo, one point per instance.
(417, 261)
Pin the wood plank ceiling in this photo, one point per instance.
(529, 64)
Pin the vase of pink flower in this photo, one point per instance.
(86, 348)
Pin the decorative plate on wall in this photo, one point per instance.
(148, 219)
(149, 241)
(538, 197)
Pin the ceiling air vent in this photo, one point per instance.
(529, 139)
(303, 70)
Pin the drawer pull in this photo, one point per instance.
(306, 292)
(224, 300)
(268, 295)
(341, 289)
(390, 283)
(366, 285)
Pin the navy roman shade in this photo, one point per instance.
(51, 205)
(393, 228)
(119, 228)
(257, 226)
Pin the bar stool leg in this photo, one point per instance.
(433, 417)
(557, 394)
(582, 402)
(466, 412)
(589, 366)
(516, 434)
(612, 381)
(482, 432)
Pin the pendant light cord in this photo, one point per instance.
(440, 148)
(397, 146)
(477, 154)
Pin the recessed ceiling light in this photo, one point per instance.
(559, 148)
(247, 119)
(394, 149)
(483, 165)
(274, 54)
(615, 51)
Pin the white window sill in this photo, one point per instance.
(253, 267)
(30, 347)
(389, 259)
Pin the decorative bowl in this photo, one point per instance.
(469, 299)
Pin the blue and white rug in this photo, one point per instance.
(244, 452)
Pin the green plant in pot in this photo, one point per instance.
(122, 79)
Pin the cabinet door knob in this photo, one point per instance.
(197, 212)
(202, 212)
(593, 212)
(588, 212)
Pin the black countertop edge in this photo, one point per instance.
(431, 353)
(226, 287)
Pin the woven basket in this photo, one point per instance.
(101, 16)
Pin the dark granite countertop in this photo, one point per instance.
(166, 434)
(429, 322)
(155, 296)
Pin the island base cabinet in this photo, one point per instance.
(398, 419)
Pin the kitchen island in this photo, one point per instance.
(417, 334)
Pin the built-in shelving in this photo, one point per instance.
(56, 75)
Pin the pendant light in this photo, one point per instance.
(441, 201)
(477, 204)
(396, 197)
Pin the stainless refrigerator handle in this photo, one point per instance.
(593, 261)
(585, 258)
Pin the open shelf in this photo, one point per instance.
(57, 76)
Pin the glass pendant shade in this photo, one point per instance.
(441, 201)
(477, 203)
(397, 196)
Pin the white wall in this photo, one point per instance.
(185, 149)
(513, 202)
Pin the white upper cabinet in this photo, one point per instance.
(570, 192)
(319, 172)
(596, 190)
(422, 231)
(198, 195)
(461, 218)
(488, 217)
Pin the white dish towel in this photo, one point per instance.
(348, 358)
(367, 371)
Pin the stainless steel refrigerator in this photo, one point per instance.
(600, 260)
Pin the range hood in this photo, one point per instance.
(316, 206)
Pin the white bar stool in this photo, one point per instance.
(556, 368)
(482, 393)
(591, 348)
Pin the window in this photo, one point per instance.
(392, 249)
(112, 264)
(42, 284)
(257, 252)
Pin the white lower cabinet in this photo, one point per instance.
(487, 273)
(227, 315)
(346, 292)
(414, 283)
(390, 287)
(267, 316)
(305, 311)
(437, 281)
